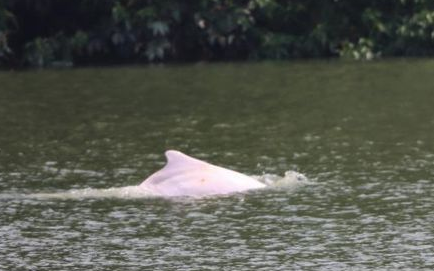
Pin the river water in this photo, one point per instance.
(362, 133)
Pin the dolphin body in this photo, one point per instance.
(187, 176)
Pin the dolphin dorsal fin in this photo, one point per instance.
(187, 176)
(177, 159)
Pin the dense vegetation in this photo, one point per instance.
(81, 32)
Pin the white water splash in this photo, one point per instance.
(290, 180)
(127, 192)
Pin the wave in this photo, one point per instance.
(290, 180)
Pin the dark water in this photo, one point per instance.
(363, 133)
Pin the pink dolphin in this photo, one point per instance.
(186, 176)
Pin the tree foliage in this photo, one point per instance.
(50, 33)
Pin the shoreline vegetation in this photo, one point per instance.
(55, 34)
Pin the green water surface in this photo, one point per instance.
(363, 133)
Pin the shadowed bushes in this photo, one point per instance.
(85, 32)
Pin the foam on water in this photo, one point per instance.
(113, 192)
(290, 180)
